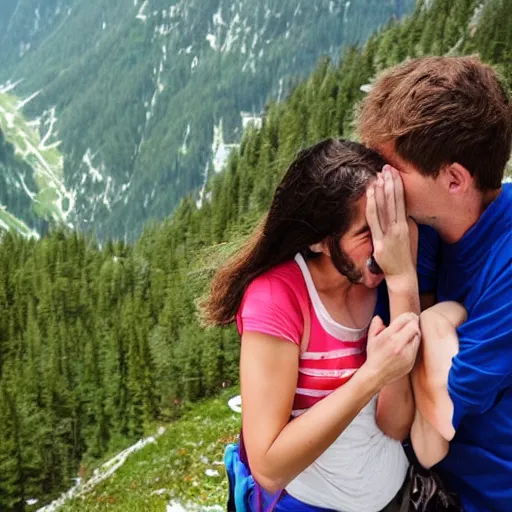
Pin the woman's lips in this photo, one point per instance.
(372, 266)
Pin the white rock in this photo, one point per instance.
(235, 404)
(159, 492)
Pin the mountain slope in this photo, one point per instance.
(137, 88)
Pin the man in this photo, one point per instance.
(446, 124)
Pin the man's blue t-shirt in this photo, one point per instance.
(477, 272)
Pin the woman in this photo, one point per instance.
(325, 389)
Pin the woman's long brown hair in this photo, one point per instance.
(313, 202)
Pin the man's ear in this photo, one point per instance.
(457, 178)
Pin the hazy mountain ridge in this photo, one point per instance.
(137, 88)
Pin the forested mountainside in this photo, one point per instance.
(99, 341)
(147, 98)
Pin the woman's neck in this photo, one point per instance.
(327, 278)
(349, 304)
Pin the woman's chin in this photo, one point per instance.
(371, 280)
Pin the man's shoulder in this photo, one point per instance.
(490, 276)
(500, 256)
(494, 288)
(499, 259)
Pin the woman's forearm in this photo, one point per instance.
(306, 437)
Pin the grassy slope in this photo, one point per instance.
(177, 462)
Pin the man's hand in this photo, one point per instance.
(386, 216)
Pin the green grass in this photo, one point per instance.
(176, 462)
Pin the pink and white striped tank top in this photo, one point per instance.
(284, 303)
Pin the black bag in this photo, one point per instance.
(427, 491)
(428, 494)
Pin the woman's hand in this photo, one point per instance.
(391, 231)
(391, 351)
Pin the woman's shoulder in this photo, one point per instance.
(274, 302)
(284, 279)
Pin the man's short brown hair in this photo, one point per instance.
(442, 110)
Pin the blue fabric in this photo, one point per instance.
(287, 504)
(477, 272)
(241, 483)
(428, 258)
(243, 490)
(382, 305)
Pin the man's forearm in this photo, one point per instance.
(395, 407)
(433, 401)
(430, 447)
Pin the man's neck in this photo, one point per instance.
(456, 224)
